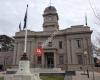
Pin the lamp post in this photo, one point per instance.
(85, 58)
(93, 67)
(86, 62)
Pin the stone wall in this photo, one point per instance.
(6, 58)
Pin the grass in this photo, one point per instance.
(1, 78)
(52, 77)
(46, 78)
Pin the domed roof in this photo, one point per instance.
(50, 8)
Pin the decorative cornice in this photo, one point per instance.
(50, 49)
(59, 34)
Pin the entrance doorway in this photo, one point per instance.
(49, 59)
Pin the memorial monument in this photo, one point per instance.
(23, 72)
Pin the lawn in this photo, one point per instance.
(52, 77)
(1, 78)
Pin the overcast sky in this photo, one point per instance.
(71, 12)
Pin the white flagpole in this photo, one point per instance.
(25, 46)
(25, 43)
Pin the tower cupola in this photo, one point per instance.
(50, 19)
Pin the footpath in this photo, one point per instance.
(92, 76)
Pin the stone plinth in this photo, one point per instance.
(24, 68)
(22, 77)
(23, 72)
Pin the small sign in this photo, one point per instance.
(39, 51)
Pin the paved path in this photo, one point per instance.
(85, 77)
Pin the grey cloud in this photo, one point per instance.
(70, 12)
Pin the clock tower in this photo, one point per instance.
(51, 18)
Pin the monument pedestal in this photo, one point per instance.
(34, 76)
(23, 72)
(23, 77)
(19, 77)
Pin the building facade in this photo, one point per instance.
(61, 48)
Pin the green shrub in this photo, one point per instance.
(52, 77)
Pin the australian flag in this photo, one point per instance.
(25, 18)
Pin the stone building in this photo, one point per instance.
(61, 48)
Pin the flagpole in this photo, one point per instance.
(25, 46)
(86, 19)
(20, 26)
(25, 42)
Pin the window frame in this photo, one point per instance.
(60, 44)
(80, 59)
(78, 43)
(61, 59)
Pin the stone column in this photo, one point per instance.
(70, 44)
(43, 60)
(55, 62)
(15, 53)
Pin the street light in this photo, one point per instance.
(85, 55)
(93, 67)
(85, 59)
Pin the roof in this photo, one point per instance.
(50, 8)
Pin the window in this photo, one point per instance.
(60, 44)
(39, 59)
(40, 44)
(61, 59)
(79, 58)
(78, 42)
(50, 44)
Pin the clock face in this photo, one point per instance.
(49, 18)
